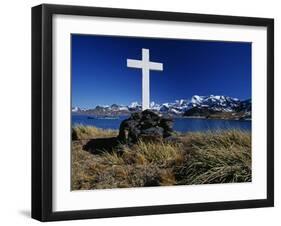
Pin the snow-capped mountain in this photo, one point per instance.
(134, 106)
(219, 107)
(75, 109)
(217, 103)
(196, 106)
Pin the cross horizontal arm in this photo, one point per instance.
(134, 63)
(155, 66)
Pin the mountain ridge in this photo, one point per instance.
(212, 106)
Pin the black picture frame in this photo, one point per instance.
(42, 111)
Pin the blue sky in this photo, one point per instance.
(191, 67)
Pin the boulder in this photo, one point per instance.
(147, 126)
(166, 124)
(151, 134)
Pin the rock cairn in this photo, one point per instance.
(146, 126)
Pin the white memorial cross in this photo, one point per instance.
(146, 66)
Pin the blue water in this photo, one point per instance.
(180, 124)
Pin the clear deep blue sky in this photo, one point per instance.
(191, 67)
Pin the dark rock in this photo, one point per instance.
(152, 134)
(148, 114)
(166, 124)
(136, 116)
(128, 131)
(200, 111)
(146, 125)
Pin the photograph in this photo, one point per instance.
(159, 112)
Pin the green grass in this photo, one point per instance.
(197, 158)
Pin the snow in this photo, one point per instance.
(75, 109)
(123, 108)
(215, 102)
(134, 104)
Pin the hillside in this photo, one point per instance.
(196, 158)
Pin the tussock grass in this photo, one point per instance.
(159, 153)
(90, 132)
(219, 157)
(196, 158)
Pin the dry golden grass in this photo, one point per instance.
(197, 158)
(219, 157)
(90, 132)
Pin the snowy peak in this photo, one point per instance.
(75, 109)
(219, 103)
(197, 99)
(134, 105)
(181, 107)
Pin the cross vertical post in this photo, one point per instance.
(145, 81)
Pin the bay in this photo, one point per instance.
(180, 124)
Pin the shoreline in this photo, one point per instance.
(110, 117)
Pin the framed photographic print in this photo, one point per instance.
(145, 112)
